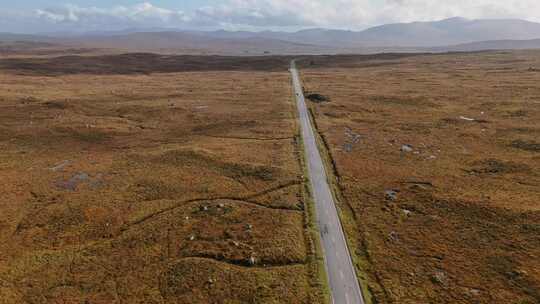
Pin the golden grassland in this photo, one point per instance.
(152, 188)
(453, 217)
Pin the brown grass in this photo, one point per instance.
(464, 227)
(164, 188)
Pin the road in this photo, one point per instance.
(342, 278)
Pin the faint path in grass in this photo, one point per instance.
(249, 138)
(239, 200)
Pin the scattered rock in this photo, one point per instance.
(61, 166)
(407, 212)
(467, 118)
(407, 148)
(203, 208)
(391, 195)
(351, 140)
(98, 181)
(249, 226)
(192, 238)
(439, 278)
(252, 261)
(393, 236)
(473, 292)
(221, 206)
(73, 182)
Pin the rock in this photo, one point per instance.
(221, 205)
(203, 208)
(74, 181)
(393, 236)
(192, 238)
(351, 140)
(467, 118)
(473, 292)
(61, 166)
(439, 278)
(391, 195)
(407, 148)
(252, 261)
(249, 226)
(407, 212)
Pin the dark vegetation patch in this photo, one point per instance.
(530, 146)
(518, 113)
(404, 101)
(495, 166)
(59, 105)
(86, 135)
(147, 63)
(317, 98)
(139, 63)
(353, 61)
(195, 159)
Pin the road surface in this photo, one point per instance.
(342, 279)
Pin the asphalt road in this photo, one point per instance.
(341, 275)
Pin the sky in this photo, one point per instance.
(41, 16)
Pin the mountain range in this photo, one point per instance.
(453, 34)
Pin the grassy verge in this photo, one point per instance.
(347, 217)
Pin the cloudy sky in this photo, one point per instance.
(32, 16)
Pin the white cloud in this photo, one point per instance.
(362, 13)
(289, 14)
(143, 14)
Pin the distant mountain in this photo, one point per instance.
(416, 34)
(194, 42)
(448, 34)
(10, 37)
